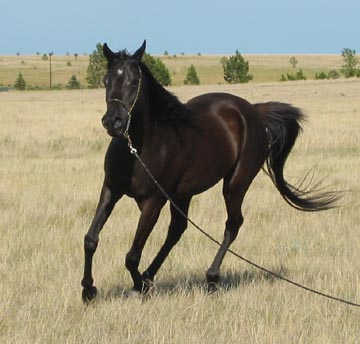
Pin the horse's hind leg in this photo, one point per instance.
(104, 208)
(234, 190)
(177, 227)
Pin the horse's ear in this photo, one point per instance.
(137, 56)
(109, 55)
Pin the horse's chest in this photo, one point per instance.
(141, 185)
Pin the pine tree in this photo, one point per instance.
(20, 83)
(96, 68)
(351, 61)
(157, 69)
(236, 69)
(293, 61)
(191, 77)
(73, 83)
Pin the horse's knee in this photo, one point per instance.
(235, 221)
(90, 245)
(132, 261)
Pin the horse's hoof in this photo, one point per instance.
(88, 294)
(212, 287)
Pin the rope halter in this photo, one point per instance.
(129, 111)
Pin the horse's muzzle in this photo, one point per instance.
(113, 124)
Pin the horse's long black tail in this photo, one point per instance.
(283, 126)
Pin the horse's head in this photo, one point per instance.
(123, 85)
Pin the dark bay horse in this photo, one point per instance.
(188, 148)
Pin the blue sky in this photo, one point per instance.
(189, 26)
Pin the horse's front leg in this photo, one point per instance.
(177, 227)
(150, 211)
(105, 206)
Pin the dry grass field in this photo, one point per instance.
(36, 71)
(51, 156)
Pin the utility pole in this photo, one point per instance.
(50, 54)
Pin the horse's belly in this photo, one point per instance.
(204, 174)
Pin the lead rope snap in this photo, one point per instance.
(133, 150)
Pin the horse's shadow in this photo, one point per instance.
(186, 284)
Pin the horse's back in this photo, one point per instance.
(232, 117)
(218, 99)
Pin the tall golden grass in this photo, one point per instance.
(51, 156)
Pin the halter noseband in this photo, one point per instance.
(129, 114)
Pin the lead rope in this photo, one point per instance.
(135, 153)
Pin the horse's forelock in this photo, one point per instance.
(120, 56)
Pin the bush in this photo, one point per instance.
(44, 57)
(73, 83)
(236, 69)
(333, 74)
(20, 83)
(191, 77)
(299, 75)
(321, 76)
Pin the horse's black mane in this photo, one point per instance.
(166, 108)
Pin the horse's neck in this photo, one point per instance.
(141, 129)
(153, 108)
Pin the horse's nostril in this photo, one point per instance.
(117, 124)
(112, 123)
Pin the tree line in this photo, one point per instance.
(350, 68)
(235, 70)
